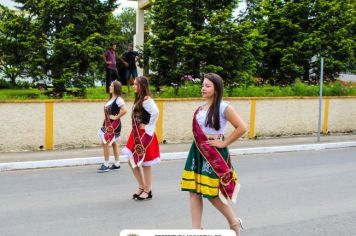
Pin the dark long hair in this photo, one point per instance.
(117, 88)
(213, 117)
(142, 91)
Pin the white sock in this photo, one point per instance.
(106, 163)
(117, 163)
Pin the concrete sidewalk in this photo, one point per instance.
(73, 157)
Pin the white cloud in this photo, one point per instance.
(125, 3)
(8, 3)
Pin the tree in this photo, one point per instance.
(297, 31)
(73, 33)
(126, 26)
(18, 44)
(56, 41)
(335, 25)
(194, 37)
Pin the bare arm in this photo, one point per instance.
(122, 59)
(138, 57)
(122, 112)
(239, 125)
(104, 57)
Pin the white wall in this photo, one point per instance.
(76, 123)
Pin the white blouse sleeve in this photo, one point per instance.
(150, 106)
(120, 102)
(223, 106)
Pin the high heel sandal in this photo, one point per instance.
(237, 223)
(135, 195)
(149, 196)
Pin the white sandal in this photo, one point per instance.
(237, 223)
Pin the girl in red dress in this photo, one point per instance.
(142, 146)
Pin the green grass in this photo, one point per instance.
(194, 90)
(99, 93)
(21, 94)
(96, 93)
(297, 89)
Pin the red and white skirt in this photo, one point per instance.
(152, 156)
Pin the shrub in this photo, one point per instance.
(5, 84)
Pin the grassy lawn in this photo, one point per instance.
(21, 94)
(99, 93)
(193, 90)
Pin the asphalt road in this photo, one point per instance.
(298, 193)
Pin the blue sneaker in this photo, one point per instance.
(103, 169)
(114, 167)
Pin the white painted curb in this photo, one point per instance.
(170, 156)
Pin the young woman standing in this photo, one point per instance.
(109, 133)
(142, 146)
(208, 172)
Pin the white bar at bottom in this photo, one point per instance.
(177, 232)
